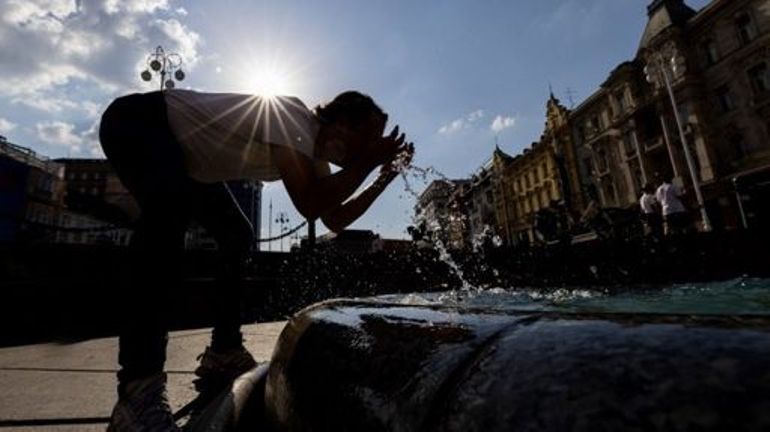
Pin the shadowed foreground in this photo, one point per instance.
(347, 365)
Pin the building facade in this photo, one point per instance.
(544, 176)
(438, 216)
(32, 192)
(478, 197)
(93, 188)
(716, 61)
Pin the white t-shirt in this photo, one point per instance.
(668, 197)
(647, 203)
(228, 136)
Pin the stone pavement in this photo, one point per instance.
(71, 386)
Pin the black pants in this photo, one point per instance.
(138, 142)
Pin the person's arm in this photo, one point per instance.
(317, 195)
(342, 216)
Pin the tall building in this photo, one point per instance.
(435, 215)
(93, 188)
(544, 175)
(31, 194)
(626, 132)
(601, 153)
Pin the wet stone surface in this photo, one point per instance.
(366, 366)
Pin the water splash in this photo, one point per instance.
(440, 233)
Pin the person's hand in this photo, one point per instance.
(384, 149)
(399, 162)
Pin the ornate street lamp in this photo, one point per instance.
(659, 71)
(282, 220)
(166, 65)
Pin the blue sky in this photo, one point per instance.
(455, 74)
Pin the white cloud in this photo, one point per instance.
(501, 123)
(51, 104)
(47, 46)
(59, 133)
(452, 127)
(475, 116)
(91, 140)
(461, 123)
(92, 109)
(134, 6)
(186, 41)
(6, 125)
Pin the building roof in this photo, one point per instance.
(28, 157)
(664, 14)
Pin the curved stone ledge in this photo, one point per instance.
(351, 365)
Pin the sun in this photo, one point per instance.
(270, 80)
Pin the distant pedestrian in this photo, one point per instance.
(650, 208)
(675, 218)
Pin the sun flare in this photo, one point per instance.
(269, 81)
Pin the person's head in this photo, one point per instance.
(349, 124)
(648, 188)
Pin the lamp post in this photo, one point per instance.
(659, 70)
(282, 220)
(164, 64)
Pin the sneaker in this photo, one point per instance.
(220, 369)
(143, 407)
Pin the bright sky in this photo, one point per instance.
(455, 74)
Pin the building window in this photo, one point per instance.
(759, 78)
(490, 198)
(737, 143)
(628, 143)
(724, 97)
(620, 101)
(602, 161)
(594, 125)
(744, 26)
(636, 178)
(710, 52)
(581, 134)
(610, 194)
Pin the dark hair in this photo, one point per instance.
(648, 187)
(351, 107)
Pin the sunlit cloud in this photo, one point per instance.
(500, 123)
(46, 46)
(461, 123)
(6, 125)
(59, 133)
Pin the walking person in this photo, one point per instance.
(650, 212)
(675, 217)
(174, 150)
